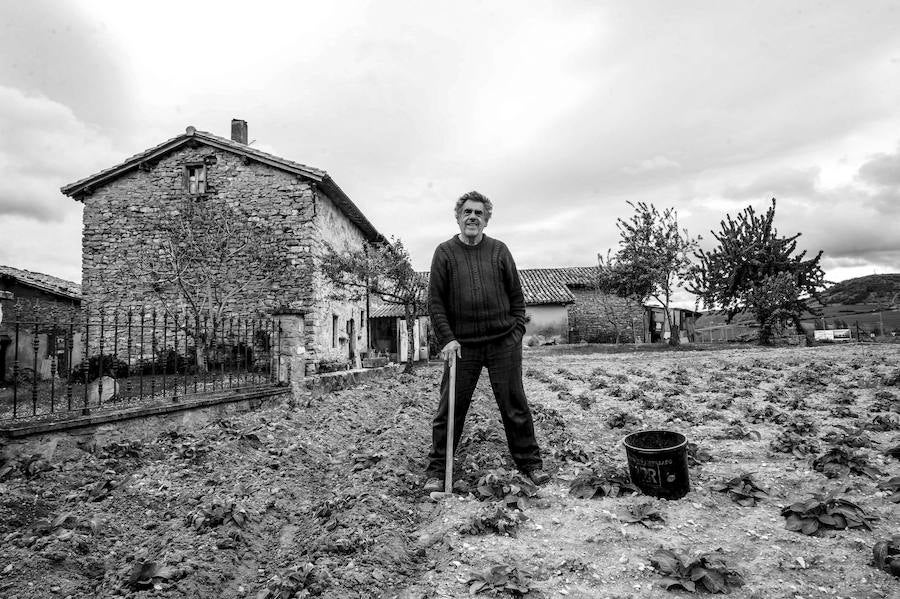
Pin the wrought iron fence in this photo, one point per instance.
(109, 358)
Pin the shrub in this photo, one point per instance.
(823, 512)
(837, 462)
(708, 571)
(167, 360)
(24, 376)
(112, 366)
(742, 489)
(505, 485)
(602, 482)
(495, 518)
(788, 442)
(886, 555)
(333, 365)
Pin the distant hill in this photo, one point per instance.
(883, 290)
(871, 303)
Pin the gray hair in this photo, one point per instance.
(475, 197)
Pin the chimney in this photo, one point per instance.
(239, 131)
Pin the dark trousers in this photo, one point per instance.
(503, 359)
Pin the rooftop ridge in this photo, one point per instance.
(43, 281)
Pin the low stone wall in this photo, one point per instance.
(147, 422)
(335, 381)
(55, 441)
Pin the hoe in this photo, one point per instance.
(451, 409)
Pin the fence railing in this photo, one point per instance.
(109, 358)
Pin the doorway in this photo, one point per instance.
(5, 342)
(351, 343)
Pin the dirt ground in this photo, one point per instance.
(323, 500)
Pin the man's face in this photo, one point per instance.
(472, 219)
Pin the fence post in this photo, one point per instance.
(35, 373)
(85, 410)
(291, 359)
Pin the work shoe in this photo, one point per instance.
(538, 476)
(433, 485)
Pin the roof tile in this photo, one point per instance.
(551, 285)
(319, 176)
(43, 282)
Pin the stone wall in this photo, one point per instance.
(51, 356)
(24, 437)
(588, 321)
(28, 304)
(122, 221)
(44, 318)
(334, 228)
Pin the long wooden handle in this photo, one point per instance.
(451, 415)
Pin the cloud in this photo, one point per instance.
(44, 146)
(882, 170)
(780, 184)
(839, 269)
(564, 109)
(656, 163)
(55, 50)
(854, 223)
(53, 248)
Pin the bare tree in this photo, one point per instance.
(382, 269)
(654, 248)
(205, 260)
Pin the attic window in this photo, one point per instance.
(195, 178)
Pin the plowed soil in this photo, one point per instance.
(321, 497)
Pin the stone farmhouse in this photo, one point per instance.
(37, 324)
(125, 205)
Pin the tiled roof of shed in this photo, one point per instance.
(39, 280)
(551, 285)
(396, 310)
(391, 311)
(82, 186)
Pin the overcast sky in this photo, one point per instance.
(560, 112)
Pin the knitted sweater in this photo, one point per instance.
(475, 292)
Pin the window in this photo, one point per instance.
(334, 330)
(195, 178)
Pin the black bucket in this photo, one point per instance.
(657, 462)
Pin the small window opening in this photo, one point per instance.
(195, 178)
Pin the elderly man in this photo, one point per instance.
(478, 313)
